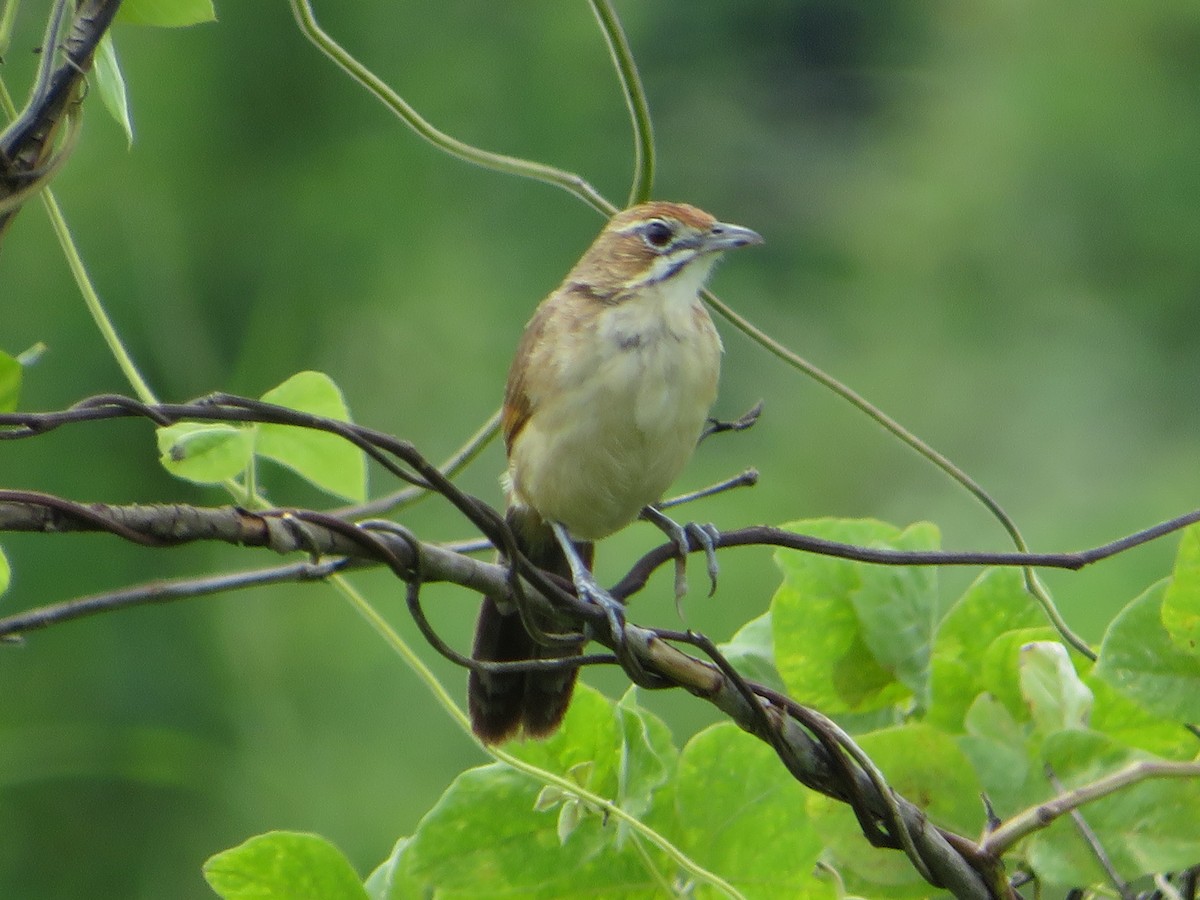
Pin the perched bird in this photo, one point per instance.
(606, 399)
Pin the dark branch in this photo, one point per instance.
(26, 145)
(813, 749)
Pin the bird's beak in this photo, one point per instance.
(723, 236)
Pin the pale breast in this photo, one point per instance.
(621, 418)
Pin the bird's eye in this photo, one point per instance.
(658, 233)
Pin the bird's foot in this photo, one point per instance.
(705, 535)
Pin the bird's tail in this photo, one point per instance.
(533, 702)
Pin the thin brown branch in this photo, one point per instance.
(12, 627)
(813, 749)
(768, 536)
(1037, 817)
(1093, 842)
(27, 145)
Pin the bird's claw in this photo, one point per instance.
(705, 536)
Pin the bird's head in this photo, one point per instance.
(653, 243)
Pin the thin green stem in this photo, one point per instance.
(510, 165)
(8, 16)
(450, 467)
(635, 99)
(401, 648)
(92, 301)
(91, 298)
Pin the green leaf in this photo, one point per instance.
(742, 815)
(999, 667)
(648, 758)
(924, 765)
(494, 832)
(283, 865)
(1056, 696)
(897, 609)
(994, 604)
(389, 880)
(326, 460)
(1144, 828)
(851, 637)
(5, 572)
(1181, 605)
(10, 382)
(1002, 756)
(1131, 724)
(1141, 661)
(166, 13)
(111, 84)
(205, 452)
(752, 652)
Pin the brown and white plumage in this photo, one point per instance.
(606, 398)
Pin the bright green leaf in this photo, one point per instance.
(326, 460)
(1181, 605)
(1055, 695)
(648, 758)
(1144, 828)
(999, 667)
(590, 733)
(205, 452)
(851, 637)
(282, 865)
(486, 836)
(1141, 661)
(166, 13)
(752, 652)
(742, 815)
(388, 881)
(10, 382)
(926, 766)
(1001, 755)
(897, 609)
(1131, 724)
(111, 84)
(995, 603)
(5, 572)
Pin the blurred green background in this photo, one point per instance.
(981, 215)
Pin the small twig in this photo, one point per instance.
(635, 99)
(26, 144)
(764, 535)
(1093, 841)
(11, 627)
(1035, 818)
(748, 419)
(497, 162)
(450, 467)
(747, 478)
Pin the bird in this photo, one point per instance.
(607, 396)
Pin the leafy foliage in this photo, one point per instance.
(985, 697)
(10, 382)
(210, 453)
(284, 866)
(1011, 714)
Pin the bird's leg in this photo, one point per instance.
(704, 535)
(586, 586)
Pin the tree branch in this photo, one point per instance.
(813, 748)
(27, 161)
